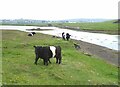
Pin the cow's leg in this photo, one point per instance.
(56, 60)
(58, 55)
(49, 60)
(45, 61)
(67, 38)
(36, 59)
(59, 60)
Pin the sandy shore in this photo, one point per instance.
(111, 56)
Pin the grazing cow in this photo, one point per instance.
(63, 36)
(31, 33)
(48, 52)
(68, 36)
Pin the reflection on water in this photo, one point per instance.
(105, 40)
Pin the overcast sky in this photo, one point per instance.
(58, 9)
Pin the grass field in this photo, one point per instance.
(18, 66)
(107, 25)
(0, 58)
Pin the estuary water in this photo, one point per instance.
(105, 40)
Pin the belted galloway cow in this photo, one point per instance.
(47, 52)
(31, 33)
(68, 36)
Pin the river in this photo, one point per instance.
(105, 40)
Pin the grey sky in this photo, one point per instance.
(58, 9)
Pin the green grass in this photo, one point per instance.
(18, 66)
(0, 58)
(107, 25)
(23, 24)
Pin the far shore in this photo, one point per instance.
(111, 32)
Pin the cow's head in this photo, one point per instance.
(37, 47)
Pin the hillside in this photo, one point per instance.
(18, 66)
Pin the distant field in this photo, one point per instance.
(107, 25)
(100, 27)
(32, 24)
(76, 69)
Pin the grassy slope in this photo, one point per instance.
(76, 68)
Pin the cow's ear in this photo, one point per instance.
(34, 46)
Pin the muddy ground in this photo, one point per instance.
(109, 55)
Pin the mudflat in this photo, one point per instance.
(109, 55)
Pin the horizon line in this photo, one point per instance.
(55, 19)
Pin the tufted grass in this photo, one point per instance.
(18, 66)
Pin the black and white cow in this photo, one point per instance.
(31, 33)
(68, 36)
(63, 36)
(47, 52)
